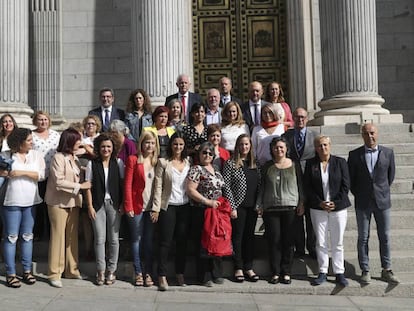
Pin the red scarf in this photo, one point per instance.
(266, 125)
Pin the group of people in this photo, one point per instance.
(178, 170)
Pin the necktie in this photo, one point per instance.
(299, 142)
(106, 122)
(256, 114)
(183, 104)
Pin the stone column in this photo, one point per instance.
(14, 55)
(305, 71)
(162, 45)
(45, 57)
(349, 64)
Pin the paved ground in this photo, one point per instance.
(83, 295)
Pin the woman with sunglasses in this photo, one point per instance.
(205, 186)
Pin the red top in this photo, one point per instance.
(134, 185)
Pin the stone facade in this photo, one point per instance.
(97, 50)
(395, 41)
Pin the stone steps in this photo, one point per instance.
(399, 219)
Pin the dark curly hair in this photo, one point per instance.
(132, 105)
(101, 138)
(16, 138)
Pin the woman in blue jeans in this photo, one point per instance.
(138, 193)
(106, 174)
(19, 206)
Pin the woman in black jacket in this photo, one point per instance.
(327, 185)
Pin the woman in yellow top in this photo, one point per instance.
(160, 129)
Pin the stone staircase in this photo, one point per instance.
(400, 138)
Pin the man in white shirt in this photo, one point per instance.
(107, 112)
(213, 111)
(187, 98)
(252, 109)
(225, 87)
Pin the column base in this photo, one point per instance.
(20, 112)
(354, 109)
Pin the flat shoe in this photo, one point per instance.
(13, 281)
(239, 278)
(28, 278)
(148, 282)
(252, 277)
(286, 279)
(110, 278)
(139, 280)
(180, 280)
(274, 280)
(56, 283)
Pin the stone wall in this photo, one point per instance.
(395, 34)
(96, 51)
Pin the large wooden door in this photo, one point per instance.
(244, 40)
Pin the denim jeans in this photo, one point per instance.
(136, 228)
(382, 218)
(106, 228)
(18, 222)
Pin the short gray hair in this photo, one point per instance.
(118, 126)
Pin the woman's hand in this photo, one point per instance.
(327, 206)
(300, 210)
(4, 173)
(233, 214)
(259, 211)
(86, 185)
(213, 203)
(130, 214)
(91, 213)
(154, 216)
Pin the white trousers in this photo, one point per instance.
(334, 223)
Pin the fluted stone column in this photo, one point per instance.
(45, 57)
(14, 55)
(349, 64)
(305, 82)
(162, 45)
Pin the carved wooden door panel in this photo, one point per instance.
(244, 40)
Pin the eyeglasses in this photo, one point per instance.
(207, 153)
(91, 123)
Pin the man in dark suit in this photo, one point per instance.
(107, 112)
(301, 148)
(187, 98)
(225, 87)
(252, 109)
(372, 171)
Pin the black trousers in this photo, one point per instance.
(173, 223)
(243, 238)
(300, 238)
(279, 232)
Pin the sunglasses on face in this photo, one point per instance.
(207, 153)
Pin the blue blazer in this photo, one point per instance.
(376, 188)
(117, 114)
(338, 183)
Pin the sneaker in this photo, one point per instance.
(365, 277)
(388, 276)
(56, 283)
(320, 279)
(341, 280)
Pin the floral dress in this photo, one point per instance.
(209, 185)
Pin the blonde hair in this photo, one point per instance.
(250, 157)
(225, 119)
(318, 139)
(147, 135)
